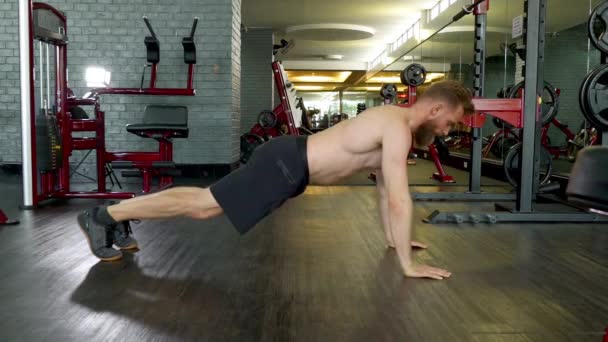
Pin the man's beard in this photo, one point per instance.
(425, 134)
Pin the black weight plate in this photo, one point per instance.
(597, 25)
(502, 145)
(413, 75)
(583, 97)
(267, 119)
(388, 91)
(550, 104)
(511, 165)
(583, 91)
(596, 98)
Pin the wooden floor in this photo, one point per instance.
(316, 270)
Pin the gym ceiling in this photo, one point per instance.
(333, 38)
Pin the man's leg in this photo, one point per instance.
(100, 224)
(194, 202)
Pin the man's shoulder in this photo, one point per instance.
(396, 118)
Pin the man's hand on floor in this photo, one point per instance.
(415, 270)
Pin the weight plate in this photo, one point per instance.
(511, 165)
(267, 119)
(582, 95)
(388, 91)
(413, 75)
(597, 24)
(595, 98)
(502, 145)
(550, 104)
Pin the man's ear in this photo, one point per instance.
(435, 110)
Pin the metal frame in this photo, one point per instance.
(284, 110)
(509, 110)
(479, 61)
(39, 186)
(474, 192)
(25, 61)
(523, 210)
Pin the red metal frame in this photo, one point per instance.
(412, 94)
(555, 151)
(4, 220)
(59, 14)
(482, 8)
(145, 91)
(440, 175)
(283, 110)
(508, 110)
(57, 184)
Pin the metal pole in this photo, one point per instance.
(48, 77)
(26, 122)
(481, 22)
(41, 71)
(532, 89)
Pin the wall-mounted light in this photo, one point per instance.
(97, 77)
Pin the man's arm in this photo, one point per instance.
(383, 209)
(396, 143)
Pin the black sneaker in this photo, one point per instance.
(121, 234)
(98, 236)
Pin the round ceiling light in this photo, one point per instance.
(330, 32)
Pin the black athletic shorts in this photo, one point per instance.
(277, 171)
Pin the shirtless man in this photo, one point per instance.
(378, 139)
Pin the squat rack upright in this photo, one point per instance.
(479, 9)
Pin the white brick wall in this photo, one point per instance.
(10, 136)
(110, 33)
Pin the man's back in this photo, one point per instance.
(353, 145)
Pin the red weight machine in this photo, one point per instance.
(51, 125)
(285, 119)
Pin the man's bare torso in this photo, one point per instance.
(352, 145)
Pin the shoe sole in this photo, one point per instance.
(86, 235)
(133, 246)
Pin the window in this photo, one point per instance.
(435, 12)
(97, 77)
